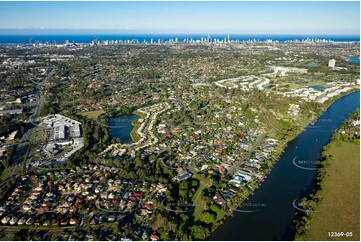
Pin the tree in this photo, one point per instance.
(198, 232)
(195, 183)
(183, 185)
(207, 217)
(215, 208)
(183, 193)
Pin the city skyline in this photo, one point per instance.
(323, 18)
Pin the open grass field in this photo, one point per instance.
(339, 211)
(136, 124)
(197, 197)
(133, 133)
(92, 114)
(273, 121)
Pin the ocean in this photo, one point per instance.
(87, 38)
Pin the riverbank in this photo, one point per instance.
(334, 204)
(339, 209)
(243, 195)
(268, 190)
(280, 149)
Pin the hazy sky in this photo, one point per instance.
(184, 17)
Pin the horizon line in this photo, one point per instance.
(184, 33)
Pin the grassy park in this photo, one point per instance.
(198, 202)
(92, 114)
(340, 208)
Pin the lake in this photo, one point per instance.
(269, 86)
(317, 87)
(121, 127)
(354, 59)
(269, 213)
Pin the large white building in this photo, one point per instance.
(77, 130)
(59, 132)
(332, 63)
(66, 132)
(61, 125)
